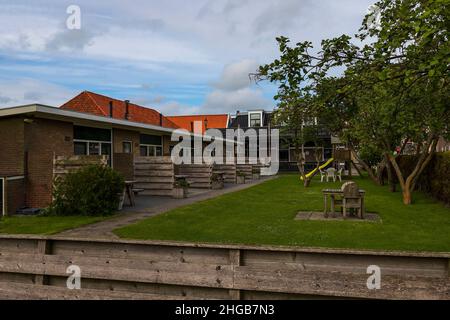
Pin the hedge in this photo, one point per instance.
(435, 179)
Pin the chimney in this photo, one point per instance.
(206, 123)
(160, 120)
(127, 109)
(111, 109)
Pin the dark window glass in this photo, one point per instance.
(88, 133)
(284, 155)
(159, 151)
(143, 151)
(151, 139)
(80, 148)
(94, 148)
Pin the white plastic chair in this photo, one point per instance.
(323, 175)
(331, 173)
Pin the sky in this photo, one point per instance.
(179, 57)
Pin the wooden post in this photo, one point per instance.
(43, 248)
(235, 261)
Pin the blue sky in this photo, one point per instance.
(180, 57)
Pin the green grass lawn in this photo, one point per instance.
(43, 224)
(264, 214)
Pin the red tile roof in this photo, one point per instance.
(214, 121)
(90, 102)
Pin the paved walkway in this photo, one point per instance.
(149, 206)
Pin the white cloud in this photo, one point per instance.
(235, 76)
(220, 101)
(28, 91)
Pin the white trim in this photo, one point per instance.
(3, 197)
(15, 178)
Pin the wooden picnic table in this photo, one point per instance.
(333, 193)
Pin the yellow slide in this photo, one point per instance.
(312, 173)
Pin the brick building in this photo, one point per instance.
(31, 136)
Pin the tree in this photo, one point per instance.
(290, 72)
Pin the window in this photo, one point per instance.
(92, 141)
(150, 151)
(255, 119)
(127, 147)
(151, 146)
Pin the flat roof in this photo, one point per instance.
(59, 114)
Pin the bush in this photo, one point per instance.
(434, 180)
(91, 191)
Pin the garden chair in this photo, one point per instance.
(351, 199)
(323, 175)
(339, 174)
(331, 173)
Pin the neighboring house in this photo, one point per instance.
(259, 118)
(209, 121)
(31, 136)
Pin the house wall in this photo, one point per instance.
(119, 136)
(12, 147)
(43, 140)
(166, 145)
(15, 195)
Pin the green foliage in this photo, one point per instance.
(181, 183)
(394, 87)
(370, 155)
(91, 191)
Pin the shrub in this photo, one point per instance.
(91, 191)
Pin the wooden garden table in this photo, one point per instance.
(332, 194)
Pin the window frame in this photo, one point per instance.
(250, 113)
(131, 146)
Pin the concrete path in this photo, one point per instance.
(149, 206)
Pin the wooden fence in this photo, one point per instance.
(35, 267)
(63, 165)
(229, 172)
(155, 175)
(198, 175)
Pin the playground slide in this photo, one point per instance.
(312, 173)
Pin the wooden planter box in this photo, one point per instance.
(179, 193)
(240, 179)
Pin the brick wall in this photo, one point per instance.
(119, 136)
(12, 147)
(15, 195)
(43, 139)
(124, 163)
(166, 145)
